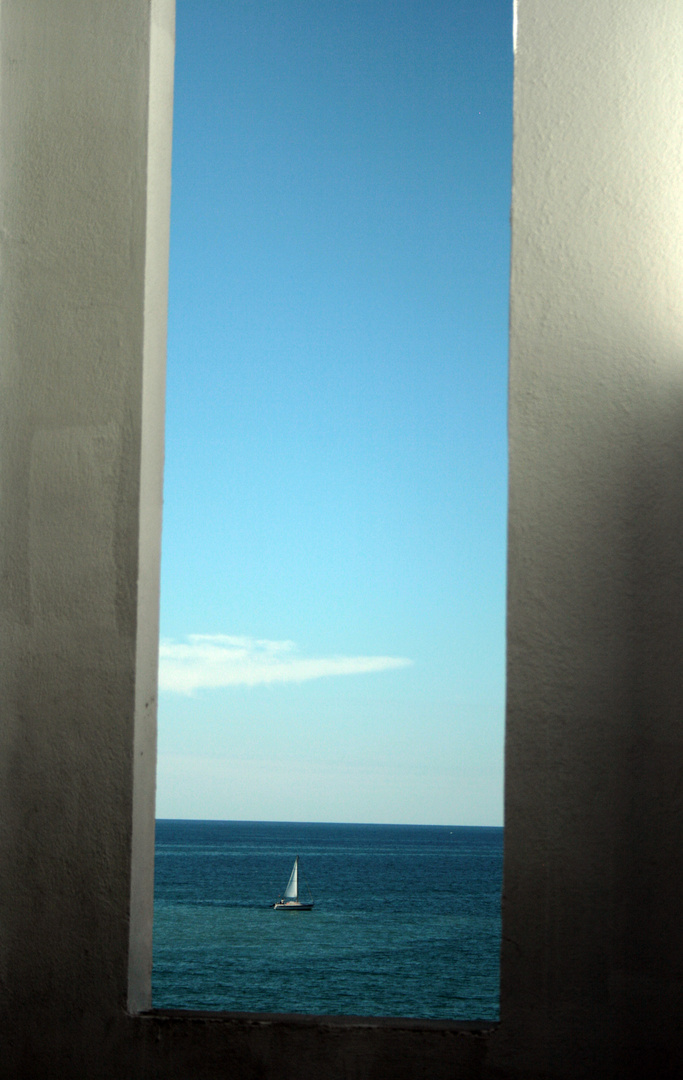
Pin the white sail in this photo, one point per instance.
(292, 890)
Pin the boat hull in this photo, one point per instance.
(291, 905)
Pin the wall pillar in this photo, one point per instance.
(85, 130)
(592, 962)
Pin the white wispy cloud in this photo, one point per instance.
(205, 661)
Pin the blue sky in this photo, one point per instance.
(333, 569)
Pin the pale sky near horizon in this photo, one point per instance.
(333, 567)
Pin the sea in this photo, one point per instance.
(406, 919)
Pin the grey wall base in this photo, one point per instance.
(211, 1046)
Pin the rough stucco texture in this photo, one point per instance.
(593, 953)
(74, 312)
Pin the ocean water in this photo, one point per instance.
(406, 919)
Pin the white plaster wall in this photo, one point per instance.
(593, 938)
(84, 193)
(153, 392)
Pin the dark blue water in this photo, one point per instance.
(406, 919)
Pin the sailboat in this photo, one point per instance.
(290, 901)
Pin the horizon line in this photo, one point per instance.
(281, 821)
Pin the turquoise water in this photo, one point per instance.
(406, 919)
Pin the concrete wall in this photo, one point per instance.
(85, 126)
(592, 957)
